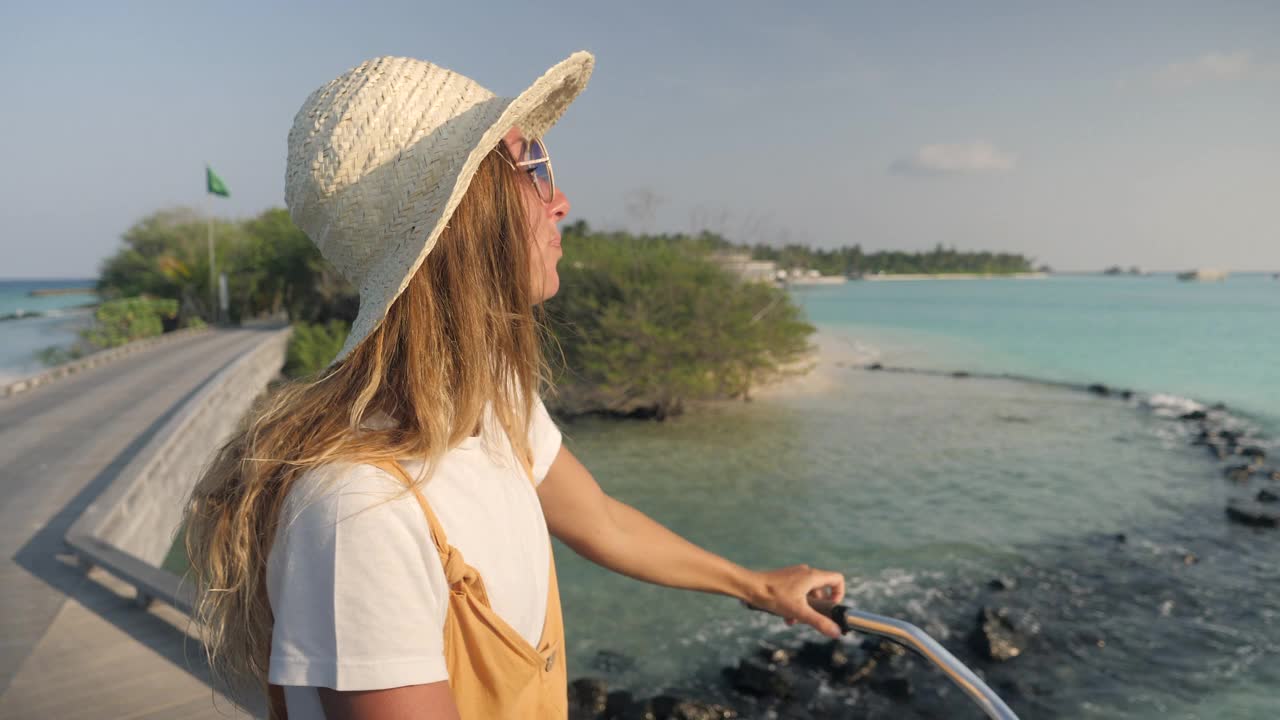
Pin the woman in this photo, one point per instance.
(374, 542)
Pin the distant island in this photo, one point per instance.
(1117, 270)
(853, 262)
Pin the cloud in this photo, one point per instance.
(1210, 67)
(973, 157)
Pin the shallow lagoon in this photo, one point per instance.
(920, 489)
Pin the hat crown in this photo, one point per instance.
(409, 119)
(380, 157)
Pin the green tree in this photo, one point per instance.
(300, 280)
(166, 255)
(270, 266)
(312, 346)
(116, 322)
(649, 323)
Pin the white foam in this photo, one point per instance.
(891, 584)
(1166, 405)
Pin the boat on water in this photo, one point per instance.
(1203, 275)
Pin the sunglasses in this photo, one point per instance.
(535, 161)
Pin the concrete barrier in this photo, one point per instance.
(139, 512)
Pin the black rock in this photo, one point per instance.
(684, 709)
(1099, 389)
(1255, 452)
(1009, 688)
(622, 705)
(1266, 496)
(1253, 515)
(875, 366)
(1194, 415)
(1121, 538)
(856, 672)
(883, 656)
(1238, 473)
(898, 688)
(882, 648)
(588, 698)
(995, 637)
(771, 653)
(762, 679)
(1126, 394)
(827, 656)
(1006, 583)
(662, 705)
(960, 374)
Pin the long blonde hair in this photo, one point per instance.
(462, 336)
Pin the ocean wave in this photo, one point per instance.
(1171, 406)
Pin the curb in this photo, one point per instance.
(94, 360)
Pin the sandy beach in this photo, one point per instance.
(954, 276)
(833, 354)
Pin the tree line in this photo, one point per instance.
(642, 325)
(852, 260)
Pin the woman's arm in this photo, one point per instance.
(616, 536)
(432, 701)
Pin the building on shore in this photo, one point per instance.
(800, 276)
(767, 271)
(745, 268)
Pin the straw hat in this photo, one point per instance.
(380, 157)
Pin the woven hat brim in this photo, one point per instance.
(535, 111)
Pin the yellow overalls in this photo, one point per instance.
(494, 673)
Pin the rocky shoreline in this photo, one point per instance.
(1001, 627)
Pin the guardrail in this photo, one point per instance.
(129, 528)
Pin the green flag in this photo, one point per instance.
(214, 183)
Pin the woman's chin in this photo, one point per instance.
(550, 286)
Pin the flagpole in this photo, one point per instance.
(213, 285)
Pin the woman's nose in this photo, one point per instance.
(559, 205)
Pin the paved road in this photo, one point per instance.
(72, 645)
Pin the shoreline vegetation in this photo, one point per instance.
(853, 262)
(643, 326)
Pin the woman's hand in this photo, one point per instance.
(794, 592)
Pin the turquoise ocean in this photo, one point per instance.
(920, 488)
(1142, 600)
(30, 323)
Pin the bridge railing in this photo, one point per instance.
(129, 529)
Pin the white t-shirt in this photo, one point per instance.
(355, 582)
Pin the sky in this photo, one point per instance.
(1083, 134)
